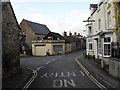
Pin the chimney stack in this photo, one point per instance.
(70, 34)
(75, 34)
(65, 34)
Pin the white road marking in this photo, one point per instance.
(70, 83)
(57, 83)
(71, 74)
(54, 59)
(45, 75)
(54, 75)
(63, 83)
(39, 68)
(50, 61)
(82, 73)
(62, 75)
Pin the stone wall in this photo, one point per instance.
(0, 46)
(114, 67)
(10, 41)
(29, 33)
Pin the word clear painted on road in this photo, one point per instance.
(61, 74)
(63, 83)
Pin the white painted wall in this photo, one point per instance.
(41, 50)
(102, 14)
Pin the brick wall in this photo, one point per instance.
(10, 41)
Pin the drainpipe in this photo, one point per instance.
(104, 15)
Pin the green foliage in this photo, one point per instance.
(117, 19)
(109, 5)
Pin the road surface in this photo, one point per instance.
(60, 71)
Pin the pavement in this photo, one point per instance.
(18, 80)
(101, 75)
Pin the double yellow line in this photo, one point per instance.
(32, 78)
(89, 75)
(30, 81)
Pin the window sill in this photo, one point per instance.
(105, 56)
(90, 50)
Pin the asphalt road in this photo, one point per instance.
(60, 71)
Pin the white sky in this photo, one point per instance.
(57, 15)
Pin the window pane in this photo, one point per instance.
(107, 39)
(57, 48)
(90, 46)
(107, 50)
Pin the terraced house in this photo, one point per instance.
(100, 27)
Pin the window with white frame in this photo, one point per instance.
(109, 19)
(104, 47)
(90, 44)
(107, 46)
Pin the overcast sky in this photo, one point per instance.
(57, 15)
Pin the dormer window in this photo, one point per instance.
(58, 38)
(50, 38)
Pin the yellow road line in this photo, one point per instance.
(89, 75)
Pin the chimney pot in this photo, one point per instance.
(65, 34)
(70, 34)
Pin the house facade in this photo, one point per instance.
(52, 44)
(76, 41)
(33, 31)
(10, 41)
(101, 24)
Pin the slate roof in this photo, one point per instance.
(38, 28)
(55, 36)
(72, 39)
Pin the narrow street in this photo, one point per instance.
(60, 71)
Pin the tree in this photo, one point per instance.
(116, 6)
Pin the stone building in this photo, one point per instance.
(33, 31)
(77, 41)
(53, 43)
(10, 41)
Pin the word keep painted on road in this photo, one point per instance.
(58, 83)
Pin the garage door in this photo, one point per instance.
(40, 50)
